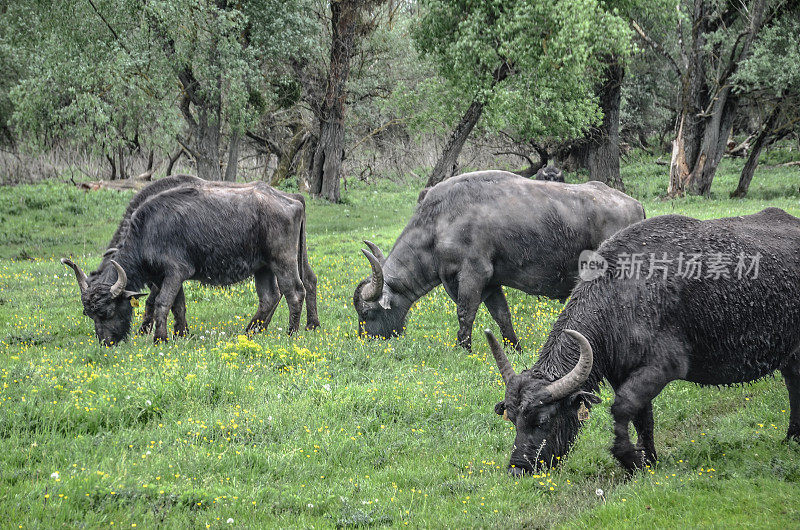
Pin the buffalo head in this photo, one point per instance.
(380, 312)
(107, 304)
(544, 412)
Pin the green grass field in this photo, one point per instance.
(326, 430)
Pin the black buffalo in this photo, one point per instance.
(731, 319)
(479, 231)
(179, 305)
(216, 233)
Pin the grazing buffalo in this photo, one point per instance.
(179, 306)
(713, 302)
(551, 173)
(215, 233)
(476, 232)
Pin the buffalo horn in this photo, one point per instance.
(577, 376)
(503, 364)
(79, 274)
(375, 251)
(122, 280)
(374, 289)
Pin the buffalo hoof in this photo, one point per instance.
(793, 434)
(255, 326)
(312, 325)
(181, 331)
(159, 338)
(631, 459)
(649, 456)
(516, 472)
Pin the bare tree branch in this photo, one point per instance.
(656, 46)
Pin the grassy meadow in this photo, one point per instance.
(324, 429)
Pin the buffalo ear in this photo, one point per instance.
(500, 408)
(133, 294)
(587, 398)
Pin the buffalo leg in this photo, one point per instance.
(791, 375)
(149, 304)
(268, 297)
(470, 289)
(180, 327)
(644, 428)
(498, 307)
(291, 286)
(310, 285)
(633, 398)
(164, 300)
(178, 311)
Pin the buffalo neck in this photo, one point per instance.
(560, 354)
(130, 264)
(409, 270)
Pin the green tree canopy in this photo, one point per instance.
(103, 73)
(533, 64)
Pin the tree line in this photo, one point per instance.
(321, 91)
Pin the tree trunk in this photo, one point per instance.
(206, 147)
(602, 154)
(448, 161)
(233, 158)
(288, 156)
(172, 159)
(304, 163)
(327, 166)
(446, 165)
(113, 167)
(706, 113)
(715, 138)
(762, 140)
(121, 155)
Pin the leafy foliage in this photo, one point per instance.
(105, 73)
(551, 51)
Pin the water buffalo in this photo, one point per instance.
(474, 233)
(713, 302)
(179, 305)
(215, 233)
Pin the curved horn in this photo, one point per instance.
(503, 364)
(110, 251)
(578, 375)
(79, 274)
(122, 280)
(374, 289)
(375, 251)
